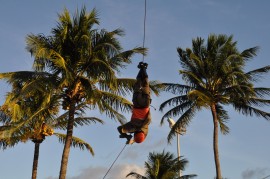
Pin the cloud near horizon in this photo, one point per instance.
(116, 172)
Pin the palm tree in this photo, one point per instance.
(215, 77)
(18, 109)
(42, 124)
(80, 63)
(163, 166)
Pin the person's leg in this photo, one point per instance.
(141, 95)
(122, 135)
(142, 74)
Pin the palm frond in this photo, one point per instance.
(174, 101)
(9, 138)
(176, 89)
(111, 112)
(156, 87)
(248, 110)
(177, 110)
(250, 52)
(112, 101)
(258, 74)
(4, 117)
(124, 86)
(76, 142)
(222, 119)
(258, 102)
(182, 122)
(136, 175)
(116, 61)
(261, 92)
(7, 143)
(78, 121)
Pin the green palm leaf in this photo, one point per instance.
(76, 142)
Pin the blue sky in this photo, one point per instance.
(244, 152)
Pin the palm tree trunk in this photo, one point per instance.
(35, 161)
(65, 155)
(215, 141)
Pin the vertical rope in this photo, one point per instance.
(144, 25)
(114, 161)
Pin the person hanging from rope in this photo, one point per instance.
(141, 116)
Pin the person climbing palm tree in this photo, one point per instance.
(141, 116)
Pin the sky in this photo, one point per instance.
(244, 152)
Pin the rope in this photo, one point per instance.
(114, 161)
(144, 25)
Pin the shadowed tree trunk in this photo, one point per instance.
(215, 141)
(68, 141)
(35, 161)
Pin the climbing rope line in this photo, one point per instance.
(144, 21)
(114, 161)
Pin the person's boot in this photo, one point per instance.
(145, 65)
(123, 135)
(128, 137)
(140, 65)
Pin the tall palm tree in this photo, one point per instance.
(18, 109)
(215, 77)
(163, 166)
(81, 64)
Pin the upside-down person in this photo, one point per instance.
(141, 116)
